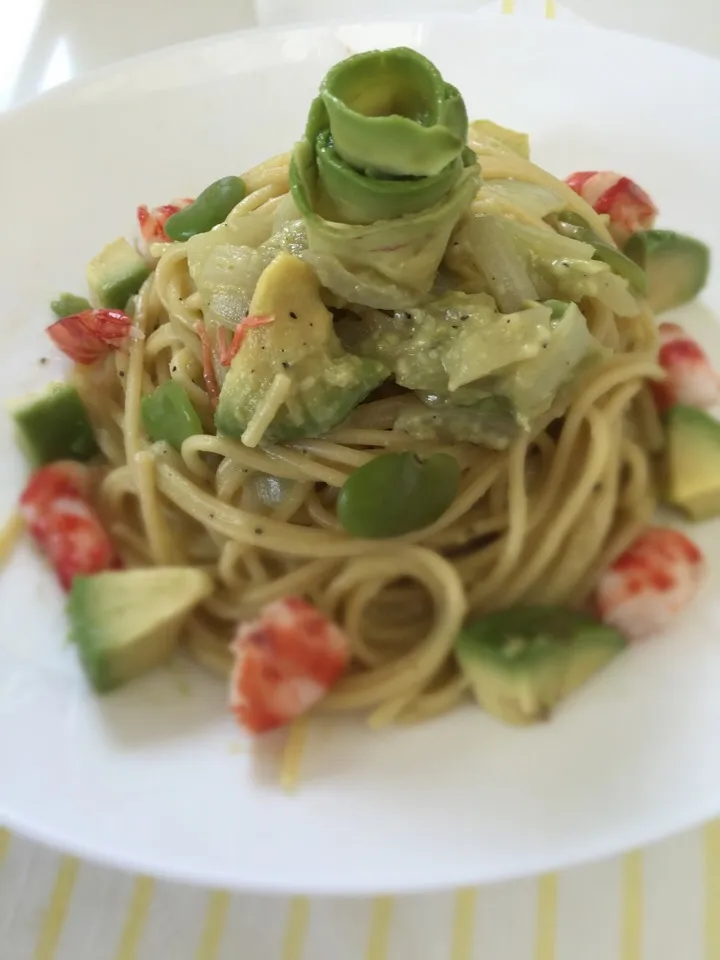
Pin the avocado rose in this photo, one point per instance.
(382, 176)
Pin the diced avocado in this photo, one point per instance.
(533, 384)
(69, 303)
(693, 461)
(676, 266)
(451, 342)
(116, 273)
(517, 142)
(126, 622)
(55, 426)
(523, 661)
(326, 381)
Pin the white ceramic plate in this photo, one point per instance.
(160, 781)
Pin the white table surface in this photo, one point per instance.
(659, 904)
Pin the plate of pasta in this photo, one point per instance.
(362, 459)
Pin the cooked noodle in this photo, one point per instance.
(536, 522)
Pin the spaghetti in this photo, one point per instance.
(536, 522)
(379, 422)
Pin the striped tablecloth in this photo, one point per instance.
(659, 904)
(662, 903)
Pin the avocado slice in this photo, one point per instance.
(693, 461)
(116, 273)
(125, 622)
(326, 381)
(676, 266)
(523, 661)
(391, 113)
(55, 426)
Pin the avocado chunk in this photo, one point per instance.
(116, 273)
(693, 462)
(676, 266)
(125, 622)
(55, 426)
(533, 385)
(523, 661)
(326, 382)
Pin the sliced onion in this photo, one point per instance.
(501, 264)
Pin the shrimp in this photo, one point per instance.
(285, 662)
(91, 334)
(152, 221)
(56, 508)
(690, 379)
(626, 204)
(651, 583)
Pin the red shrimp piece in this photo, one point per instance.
(653, 581)
(285, 662)
(690, 377)
(56, 508)
(152, 222)
(228, 353)
(627, 205)
(87, 336)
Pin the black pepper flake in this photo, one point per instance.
(43, 361)
(173, 369)
(285, 364)
(293, 315)
(465, 316)
(258, 531)
(121, 374)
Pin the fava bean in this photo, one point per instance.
(396, 493)
(211, 208)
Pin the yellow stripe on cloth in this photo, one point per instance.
(546, 921)
(57, 909)
(143, 891)
(214, 927)
(379, 936)
(712, 890)
(508, 6)
(4, 843)
(296, 929)
(631, 947)
(550, 9)
(463, 930)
